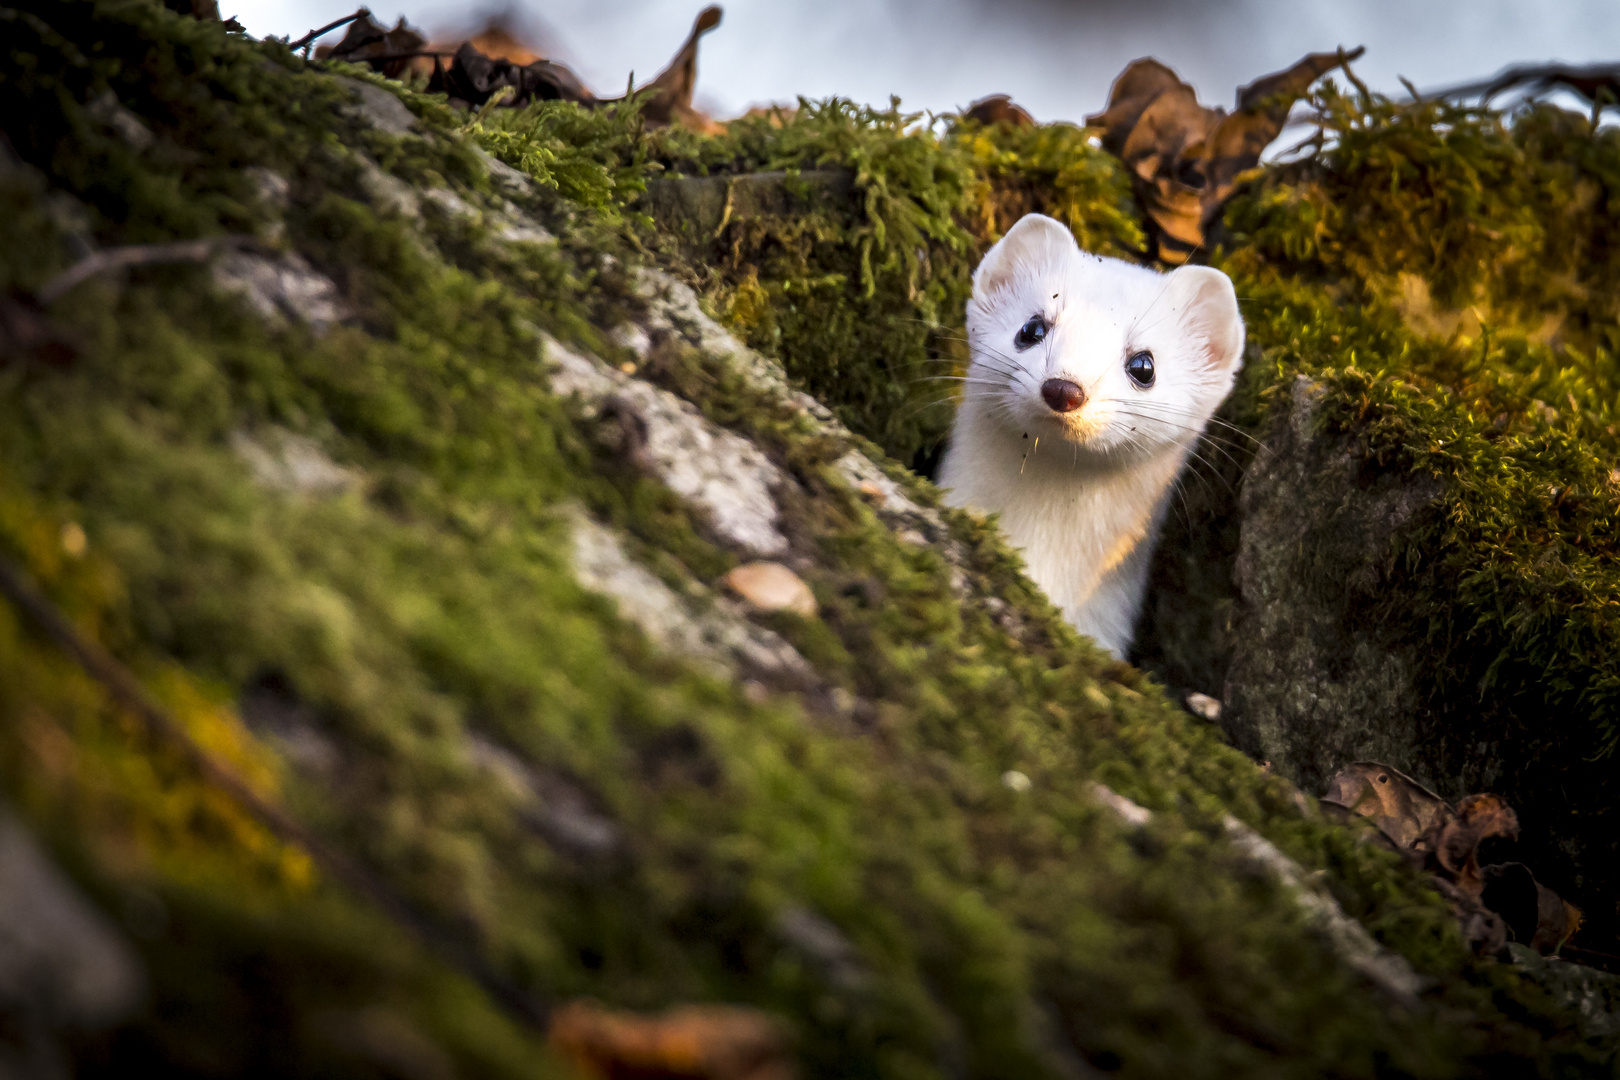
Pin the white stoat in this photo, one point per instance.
(1090, 384)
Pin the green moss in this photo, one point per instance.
(429, 607)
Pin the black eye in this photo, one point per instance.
(1139, 366)
(1031, 333)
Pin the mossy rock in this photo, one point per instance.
(439, 572)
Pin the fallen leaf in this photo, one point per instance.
(473, 78)
(671, 100)
(1535, 915)
(1185, 159)
(769, 586)
(369, 42)
(998, 109)
(1402, 808)
(1452, 844)
(1492, 904)
(700, 1042)
(494, 60)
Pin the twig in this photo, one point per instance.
(134, 255)
(313, 35)
(127, 690)
(351, 57)
(1344, 64)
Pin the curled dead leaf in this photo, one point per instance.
(1493, 904)
(369, 42)
(495, 62)
(1402, 808)
(699, 1042)
(1185, 159)
(1452, 845)
(998, 109)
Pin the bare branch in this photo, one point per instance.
(135, 255)
(314, 35)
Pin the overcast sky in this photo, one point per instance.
(1055, 57)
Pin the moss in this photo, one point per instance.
(429, 608)
(1445, 275)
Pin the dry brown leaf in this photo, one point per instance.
(693, 1042)
(1535, 915)
(367, 41)
(671, 100)
(1494, 903)
(1186, 160)
(1402, 808)
(998, 109)
(1452, 845)
(494, 59)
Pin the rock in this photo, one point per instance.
(722, 473)
(1309, 687)
(292, 463)
(1204, 706)
(719, 637)
(769, 586)
(280, 287)
(63, 967)
(380, 109)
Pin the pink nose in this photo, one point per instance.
(1062, 395)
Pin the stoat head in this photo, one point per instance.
(1118, 361)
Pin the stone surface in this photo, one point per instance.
(719, 637)
(289, 462)
(280, 287)
(380, 109)
(723, 474)
(1310, 687)
(63, 967)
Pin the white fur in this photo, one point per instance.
(1082, 494)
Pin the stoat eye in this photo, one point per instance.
(1139, 366)
(1032, 332)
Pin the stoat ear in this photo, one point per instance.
(1034, 243)
(1207, 307)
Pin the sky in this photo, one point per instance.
(1057, 58)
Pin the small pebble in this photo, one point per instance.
(874, 491)
(1205, 706)
(1016, 781)
(769, 586)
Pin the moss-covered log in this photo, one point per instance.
(413, 506)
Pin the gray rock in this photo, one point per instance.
(1309, 687)
(62, 965)
(717, 635)
(288, 462)
(720, 472)
(380, 109)
(280, 287)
